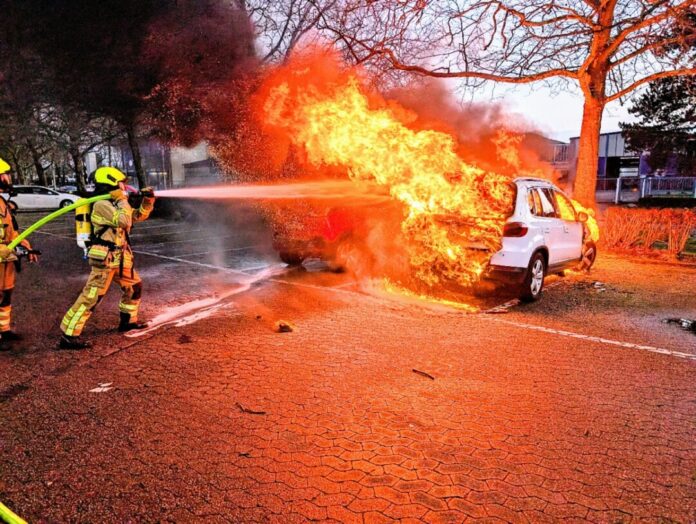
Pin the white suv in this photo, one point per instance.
(545, 234)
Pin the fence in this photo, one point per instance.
(664, 186)
(632, 188)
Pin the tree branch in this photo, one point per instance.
(650, 78)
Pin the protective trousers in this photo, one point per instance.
(97, 285)
(7, 282)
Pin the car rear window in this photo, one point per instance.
(546, 209)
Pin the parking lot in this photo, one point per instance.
(372, 409)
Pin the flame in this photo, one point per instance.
(448, 203)
(453, 211)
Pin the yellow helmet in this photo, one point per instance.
(4, 166)
(109, 176)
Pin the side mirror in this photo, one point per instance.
(583, 217)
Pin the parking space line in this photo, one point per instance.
(190, 241)
(219, 251)
(170, 233)
(591, 338)
(191, 262)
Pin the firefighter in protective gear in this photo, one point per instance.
(110, 257)
(8, 258)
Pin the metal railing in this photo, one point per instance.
(678, 186)
(606, 184)
(632, 188)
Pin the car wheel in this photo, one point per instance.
(65, 203)
(534, 279)
(589, 255)
(291, 259)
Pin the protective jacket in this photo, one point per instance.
(111, 225)
(8, 269)
(111, 258)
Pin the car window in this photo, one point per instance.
(22, 190)
(565, 207)
(537, 203)
(547, 208)
(41, 191)
(530, 201)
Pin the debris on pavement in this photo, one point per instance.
(423, 374)
(601, 287)
(102, 388)
(184, 339)
(283, 326)
(684, 323)
(249, 411)
(503, 308)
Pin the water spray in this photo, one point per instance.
(336, 190)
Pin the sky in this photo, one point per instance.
(557, 115)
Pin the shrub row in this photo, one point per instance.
(648, 229)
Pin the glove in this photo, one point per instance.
(118, 195)
(32, 257)
(6, 254)
(148, 192)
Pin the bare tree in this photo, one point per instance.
(607, 47)
(282, 24)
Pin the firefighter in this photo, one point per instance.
(8, 258)
(110, 257)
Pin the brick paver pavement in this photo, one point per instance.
(225, 420)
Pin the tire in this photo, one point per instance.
(65, 203)
(589, 255)
(291, 259)
(533, 283)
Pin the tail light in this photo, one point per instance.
(515, 229)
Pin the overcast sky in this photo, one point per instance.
(556, 114)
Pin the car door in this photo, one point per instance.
(44, 198)
(551, 226)
(572, 229)
(24, 197)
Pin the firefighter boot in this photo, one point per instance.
(126, 324)
(73, 343)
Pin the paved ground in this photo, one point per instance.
(581, 406)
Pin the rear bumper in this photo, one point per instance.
(505, 274)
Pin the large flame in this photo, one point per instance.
(453, 211)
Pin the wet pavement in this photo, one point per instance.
(581, 406)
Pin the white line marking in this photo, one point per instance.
(346, 284)
(256, 268)
(191, 262)
(219, 251)
(189, 240)
(591, 338)
(187, 232)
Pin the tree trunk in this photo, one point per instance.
(79, 167)
(38, 165)
(137, 159)
(588, 152)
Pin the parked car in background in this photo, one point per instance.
(39, 197)
(67, 189)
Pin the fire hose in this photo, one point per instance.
(48, 218)
(8, 516)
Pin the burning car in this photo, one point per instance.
(544, 234)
